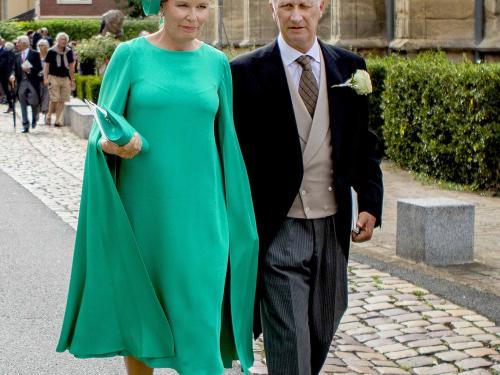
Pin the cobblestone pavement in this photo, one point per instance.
(391, 326)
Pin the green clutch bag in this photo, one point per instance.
(114, 127)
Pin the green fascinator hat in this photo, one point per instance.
(151, 7)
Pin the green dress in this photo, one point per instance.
(165, 259)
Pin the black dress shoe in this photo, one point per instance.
(58, 125)
(9, 110)
(25, 130)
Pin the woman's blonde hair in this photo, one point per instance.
(43, 42)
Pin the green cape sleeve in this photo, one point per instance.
(112, 308)
(243, 239)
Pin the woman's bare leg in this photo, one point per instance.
(136, 367)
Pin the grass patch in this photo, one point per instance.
(419, 293)
(452, 186)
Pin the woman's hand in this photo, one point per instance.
(127, 151)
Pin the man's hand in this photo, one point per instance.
(26, 70)
(127, 151)
(366, 224)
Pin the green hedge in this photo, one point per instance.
(10, 30)
(132, 28)
(443, 119)
(87, 87)
(378, 67)
(76, 29)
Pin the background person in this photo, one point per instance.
(59, 77)
(43, 49)
(7, 60)
(26, 70)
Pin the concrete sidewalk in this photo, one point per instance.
(36, 248)
(392, 326)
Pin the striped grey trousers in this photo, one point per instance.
(304, 295)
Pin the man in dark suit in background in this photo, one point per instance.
(27, 72)
(305, 144)
(7, 58)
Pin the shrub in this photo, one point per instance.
(378, 67)
(80, 85)
(97, 49)
(10, 30)
(132, 28)
(93, 85)
(443, 119)
(76, 29)
(87, 87)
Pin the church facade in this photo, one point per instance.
(377, 26)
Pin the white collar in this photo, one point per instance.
(290, 54)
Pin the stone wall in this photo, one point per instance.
(492, 26)
(376, 25)
(93, 9)
(422, 24)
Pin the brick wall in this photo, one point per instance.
(50, 8)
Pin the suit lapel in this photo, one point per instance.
(336, 73)
(272, 78)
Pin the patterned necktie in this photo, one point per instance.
(308, 86)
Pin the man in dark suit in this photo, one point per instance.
(27, 72)
(306, 143)
(7, 58)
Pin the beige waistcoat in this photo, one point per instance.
(316, 197)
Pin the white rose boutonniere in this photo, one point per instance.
(359, 82)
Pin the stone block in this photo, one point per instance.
(436, 231)
(81, 121)
(74, 102)
(449, 9)
(234, 20)
(449, 29)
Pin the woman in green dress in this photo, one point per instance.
(165, 257)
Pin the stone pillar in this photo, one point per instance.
(424, 24)
(491, 41)
(234, 21)
(358, 24)
(389, 20)
(262, 28)
(209, 32)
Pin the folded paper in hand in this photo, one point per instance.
(355, 211)
(26, 65)
(114, 127)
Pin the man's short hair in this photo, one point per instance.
(23, 39)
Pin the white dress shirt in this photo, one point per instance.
(290, 54)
